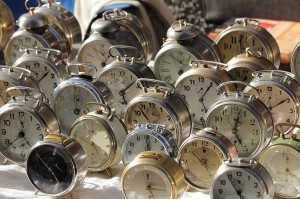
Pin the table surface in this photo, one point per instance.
(15, 184)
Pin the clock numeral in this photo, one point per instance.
(204, 143)
(152, 105)
(138, 138)
(162, 148)
(223, 182)
(6, 141)
(192, 81)
(3, 131)
(52, 76)
(218, 119)
(21, 113)
(11, 116)
(38, 127)
(255, 185)
(41, 137)
(122, 73)
(238, 173)
(129, 152)
(7, 122)
(269, 88)
(131, 143)
(258, 195)
(137, 112)
(5, 84)
(220, 191)
(233, 40)
(201, 79)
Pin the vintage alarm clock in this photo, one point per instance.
(242, 178)
(201, 154)
(12, 77)
(198, 86)
(112, 29)
(71, 95)
(120, 77)
(153, 175)
(162, 105)
(184, 43)
(282, 159)
(148, 137)
(242, 118)
(25, 121)
(137, 27)
(35, 31)
(246, 32)
(46, 66)
(6, 24)
(66, 21)
(56, 165)
(279, 91)
(101, 133)
(241, 66)
(295, 62)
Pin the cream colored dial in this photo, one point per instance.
(282, 162)
(95, 140)
(147, 181)
(199, 161)
(236, 42)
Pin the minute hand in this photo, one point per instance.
(281, 102)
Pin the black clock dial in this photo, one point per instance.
(49, 170)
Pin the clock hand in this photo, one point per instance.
(148, 188)
(26, 141)
(44, 76)
(45, 164)
(158, 189)
(144, 114)
(147, 148)
(2, 98)
(12, 142)
(203, 162)
(122, 91)
(281, 102)
(238, 191)
(76, 110)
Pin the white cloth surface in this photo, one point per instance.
(15, 184)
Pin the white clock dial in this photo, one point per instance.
(147, 181)
(121, 83)
(69, 103)
(237, 184)
(173, 63)
(239, 125)
(279, 102)
(199, 92)
(20, 130)
(44, 75)
(13, 48)
(139, 142)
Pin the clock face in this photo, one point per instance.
(96, 53)
(146, 181)
(121, 83)
(172, 63)
(199, 160)
(282, 162)
(15, 44)
(20, 130)
(236, 184)
(280, 104)
(139, 142)
(49, 169)
(68, 104)
(95, 140)
(239, 125)
(198, 91)
(236, 42)
(3, 87)
(44, 75)
(149, 112)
